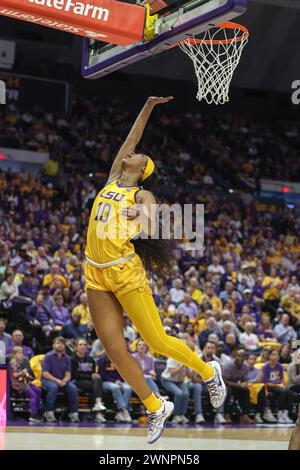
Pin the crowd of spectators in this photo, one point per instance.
(237, 301)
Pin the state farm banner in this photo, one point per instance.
(104, 20)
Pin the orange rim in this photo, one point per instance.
(228, 25)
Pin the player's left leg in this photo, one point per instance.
(141, 309)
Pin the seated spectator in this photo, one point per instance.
(265, 331)
(114, 383)
(212, 327)
(216, 269)
(248, 339)
(5, 337)
(272, 376)
(28, 288)
(68, 300)
(42, 260)
(59, 314)
(37, 314)
(146, 362)
(17, 340)
(222, 358)
(21, 381)
(235, 376)
(177, 293)
(75, 329)
(253, 371)
(228, 327)
(226, 315)
(196, 293)
(264, 356)
(128, 331)
(83, 309)
(272, 285)
(284, 331)
(85, 376)
(172, 380)
(248, 301)
(226, 293)
(294, 373)
(56, 377)
(211, 297)
(285, 354)
(188, 307)
(190, 329)
(245, 317)
(55, 276)
(208, 355)
(48, 301)
(231, 342)
(8, 289)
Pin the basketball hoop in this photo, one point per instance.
(215, 57)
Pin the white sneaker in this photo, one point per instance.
(99, 418)
(199, 418)
(74, 417)
(157, 420)
(280, 417)
(258, 418)
(216, 386)
(176, 419)
(49, 416)
(219, 419)
(286, 417)
(99, 407)
(127, 416)
(120, 417)
(268, 416)
(33, 419)
(184, 419)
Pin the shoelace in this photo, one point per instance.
(213, 388)
(153, 422)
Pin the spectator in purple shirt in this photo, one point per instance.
(272, 376)
(146, 362)
(28, 288)
(38, 314)
(59, 314)
(56, 375)
(265, 331)
(114, 383)
(5, 337)
(17, 340)
(188, 307)
(235, 375)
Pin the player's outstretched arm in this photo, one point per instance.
(135, 134)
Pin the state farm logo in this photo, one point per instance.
(77, 8)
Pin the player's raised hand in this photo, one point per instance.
(154, 100)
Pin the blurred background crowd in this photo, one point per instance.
(237, 301)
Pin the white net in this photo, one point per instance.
(215, 57)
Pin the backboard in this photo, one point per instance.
(176, 22)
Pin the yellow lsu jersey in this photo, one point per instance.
(109, 231)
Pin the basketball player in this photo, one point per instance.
(295, 439)
(116, 281)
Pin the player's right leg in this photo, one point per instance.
(295, 439)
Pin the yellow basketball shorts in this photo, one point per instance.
(121, 278)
